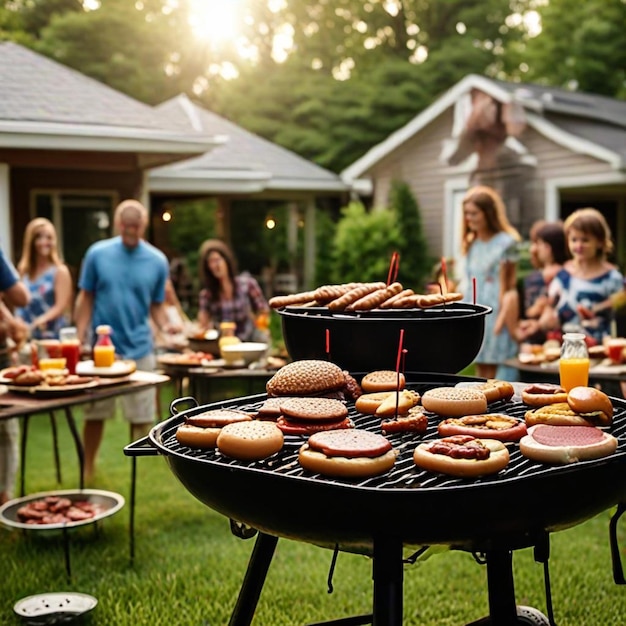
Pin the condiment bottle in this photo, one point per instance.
(104, 350)
(227, 335)
(574, 361)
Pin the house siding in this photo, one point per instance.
(417, 164)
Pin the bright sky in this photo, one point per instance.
(215, 20)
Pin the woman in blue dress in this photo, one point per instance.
(47, 278)
(490, 245)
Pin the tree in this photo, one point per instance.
(415, 261)
(582, 46)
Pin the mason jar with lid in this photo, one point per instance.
(574, 361)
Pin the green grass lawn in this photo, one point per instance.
(188, 566)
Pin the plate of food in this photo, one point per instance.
(122, 367)
(186, 359)
(75, 384)
(55, 510)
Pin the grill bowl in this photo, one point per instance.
(439, 339)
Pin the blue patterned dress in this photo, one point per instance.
(41, 300)
(568, 292)
(484, 259)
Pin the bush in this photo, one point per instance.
(415, 261)
(363, 244)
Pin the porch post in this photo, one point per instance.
(6, 236)
(308, 272)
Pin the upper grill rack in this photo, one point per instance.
(405, 474)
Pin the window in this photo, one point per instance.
(79, 218)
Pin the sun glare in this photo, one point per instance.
(214, 20)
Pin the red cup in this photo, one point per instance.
(71, 351)
(616, 349)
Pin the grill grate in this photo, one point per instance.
(405, 475)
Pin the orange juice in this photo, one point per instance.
(574, 372)
(103, 356)
(52, 363)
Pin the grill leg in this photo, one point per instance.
(253, 582)
(387, 571)
(502, 608)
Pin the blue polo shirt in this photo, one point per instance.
(8, 274)
(124, 283)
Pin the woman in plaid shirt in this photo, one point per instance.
(226, 296)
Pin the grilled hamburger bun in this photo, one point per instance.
(566, 444)
(306, 378)
(347, 454)
(592, 404)
(454, 401)
(250, 441)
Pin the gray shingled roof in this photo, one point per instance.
(595, 118)
(44, 104)
(244, 156)
(37, 89)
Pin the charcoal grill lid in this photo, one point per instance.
(54, 608)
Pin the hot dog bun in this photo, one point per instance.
(425, 457)
(540, 394)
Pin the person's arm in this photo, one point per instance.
(17, 294)
(257, 299)
(62, 297)
(158, 313)
(204, 319)
(83, 310)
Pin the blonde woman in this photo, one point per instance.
(48, 280)
(490, 246)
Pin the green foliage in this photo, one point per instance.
(325, 228)
(582, 46)
(364, 243)
(415, 261)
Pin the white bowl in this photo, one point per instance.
(246, 352)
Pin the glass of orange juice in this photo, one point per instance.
(574, 362)
(52, 363)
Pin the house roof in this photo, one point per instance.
(245, 163)
(46, 105)
(583, 122)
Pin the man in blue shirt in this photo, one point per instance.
(122, 285)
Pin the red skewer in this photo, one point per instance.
(400, 352)
(394, 265)
(328, 344)
(444, 273)
(474, 289)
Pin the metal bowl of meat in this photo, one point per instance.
(443, 338)
(56, 510)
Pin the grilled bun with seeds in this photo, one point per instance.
(250, 441)
(382, 380)
(454, 401)
(592, 404)
(305, 378)
(540, 394)
(347, 454)
(566, 444)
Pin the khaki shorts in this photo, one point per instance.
(138, 408)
